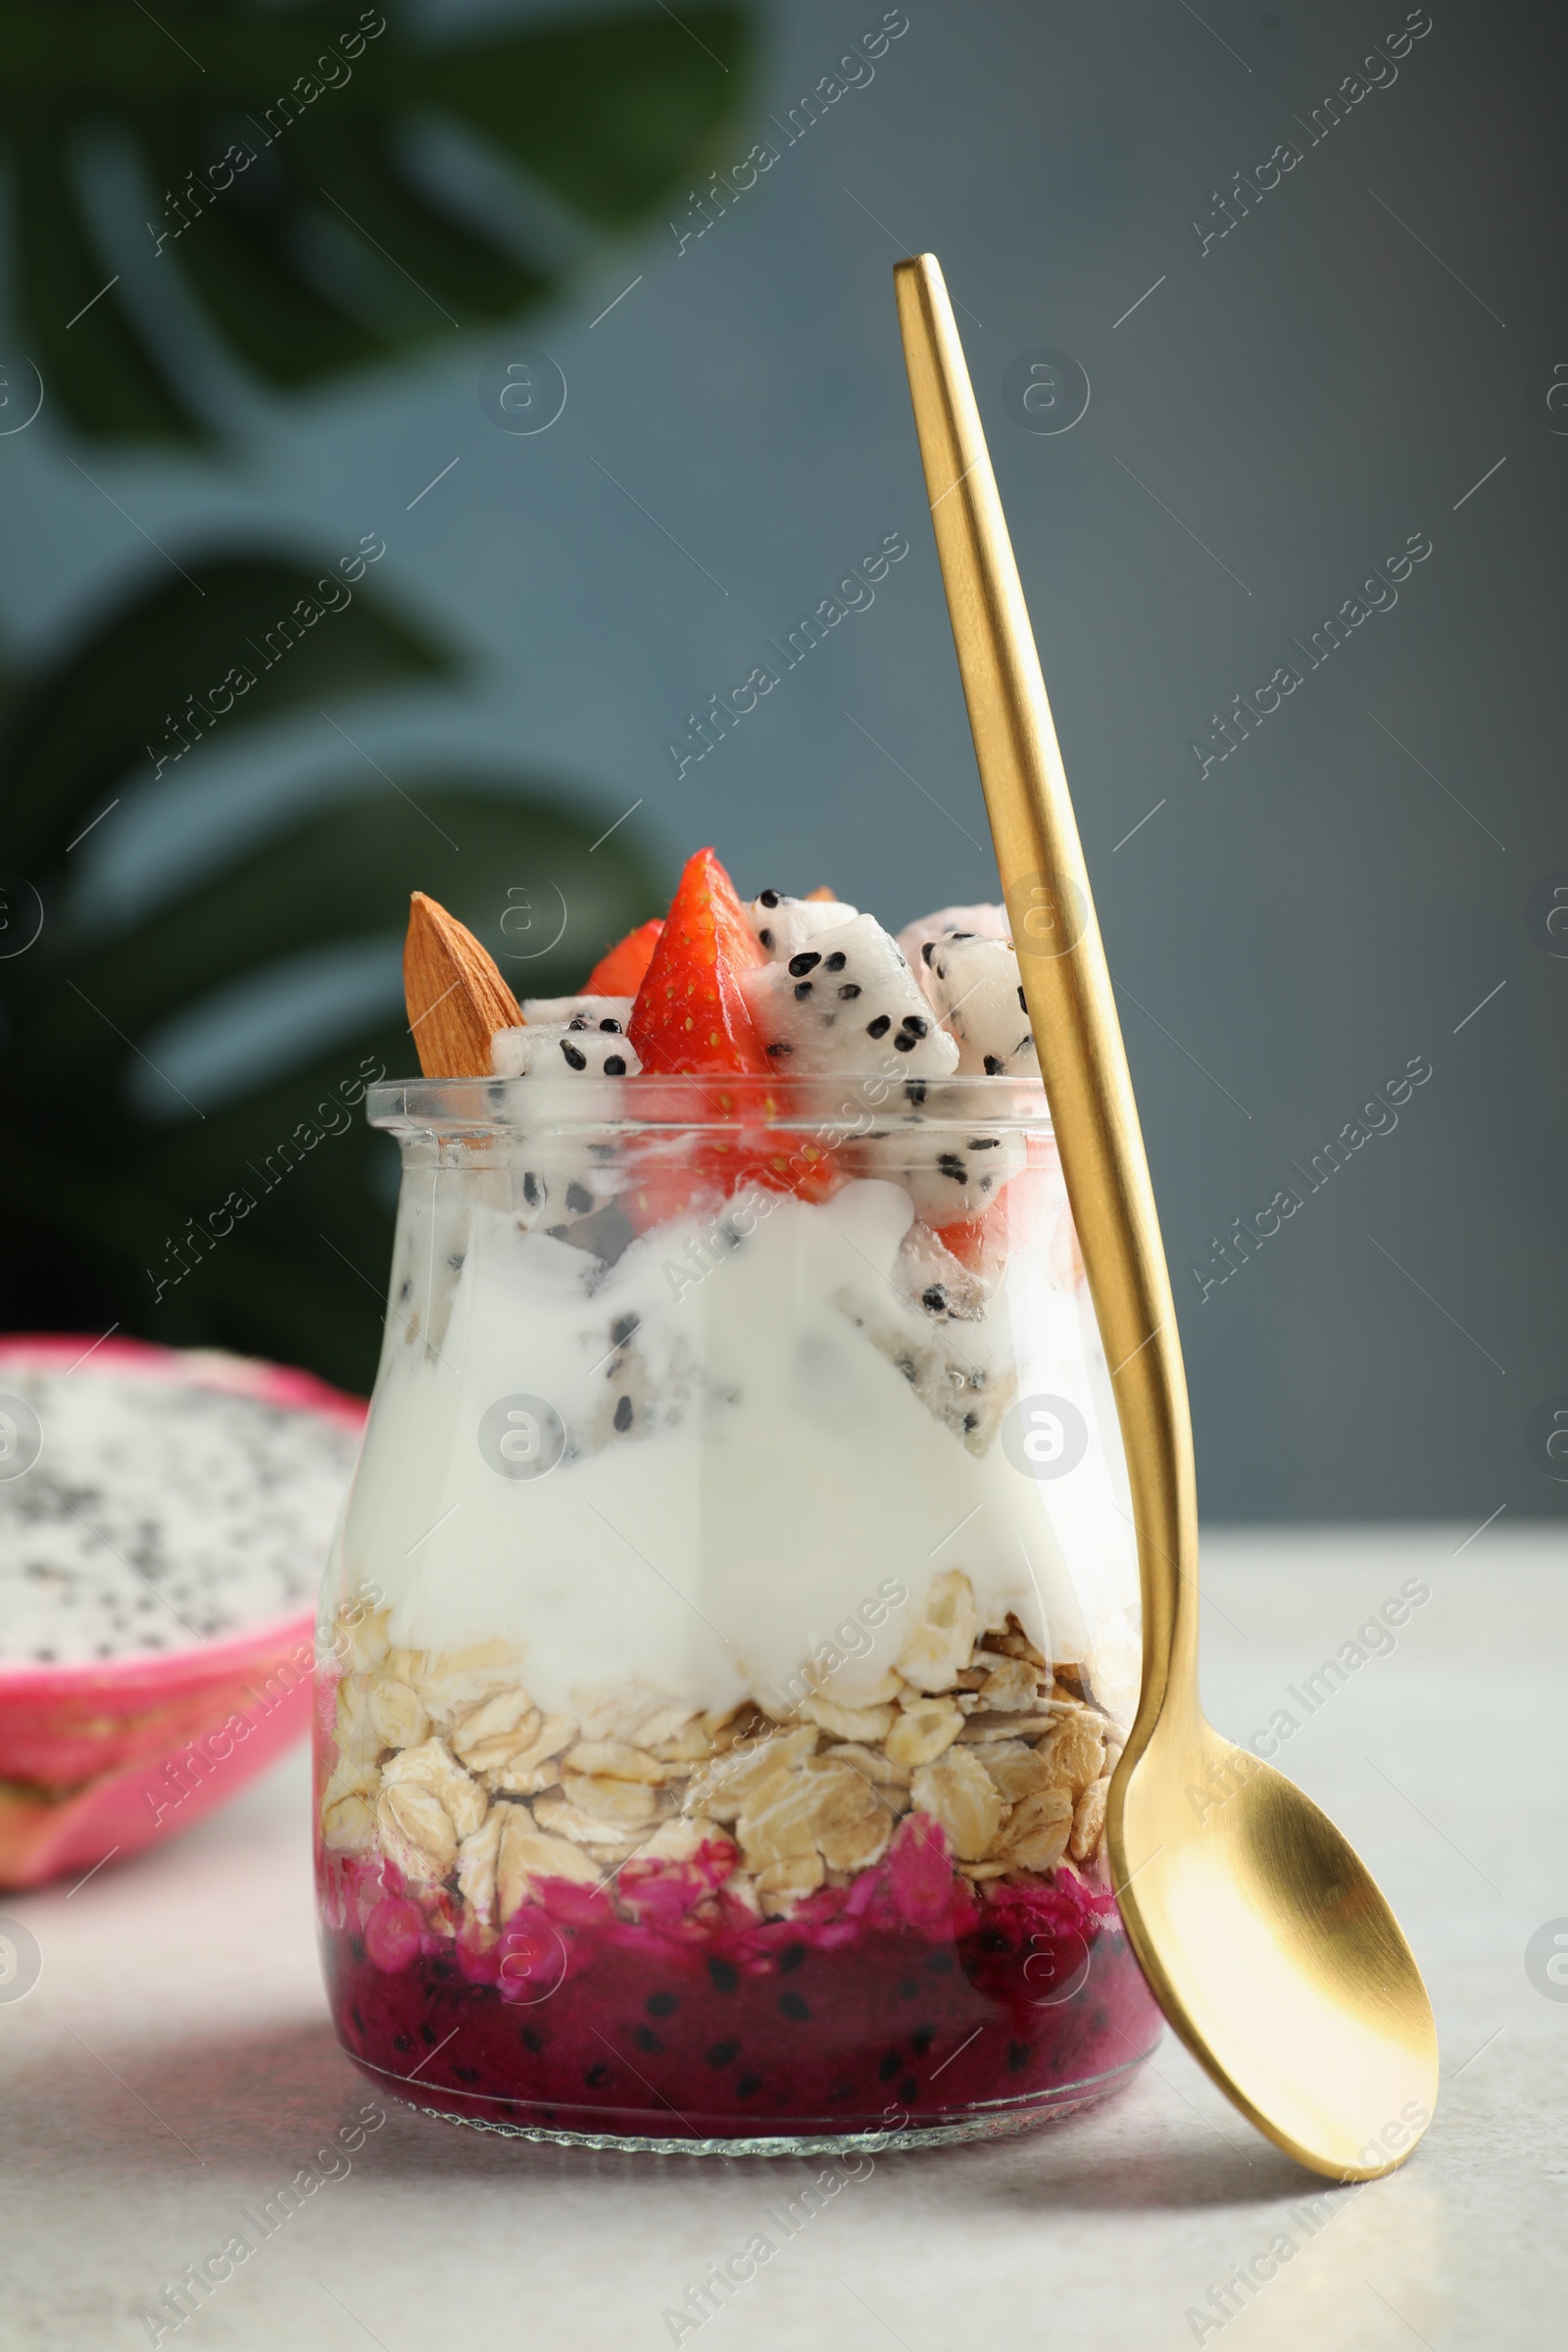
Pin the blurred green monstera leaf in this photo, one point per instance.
(126, 1143)
(286, 167)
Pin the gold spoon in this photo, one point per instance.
(1265, 1941)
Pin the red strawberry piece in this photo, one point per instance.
(965, 1240)
(622, 970)
(674, 1179)
(690, 1015)
(1031, 1201)
(690, 1018)
(660, 1189)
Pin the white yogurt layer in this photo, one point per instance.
(781, 1479)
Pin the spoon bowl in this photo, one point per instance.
(1270, 1949)
(1261, 1934)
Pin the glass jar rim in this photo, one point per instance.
(712, 1102)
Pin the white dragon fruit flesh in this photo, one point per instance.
(943, 1288)
(950, 1374)
(573, 1049)
(569, 1188)
(570, 1180)
(975, 987)
(160, 1514)
(600, 1012)
(951, 1171)
(983, 922)
(563, 1185)
(848, 1003)
(783, 924)
(638, 1397)
(163, 1518)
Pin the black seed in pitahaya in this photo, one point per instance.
(975, 986)
(847, 1002)
(563, 1050)
(783, 924)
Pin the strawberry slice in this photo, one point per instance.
(690, 1017)
(965, 1240)
(621, 971)
(700, 1180)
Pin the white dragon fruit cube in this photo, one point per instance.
(848, 1003)
(926, 1272)
(982, 922)
(949, 1172)
(565, 1180)
(634, 1396)
(563, 1185)
(562, 1049)
(962, 1390)
(975, 987)
(600, 1012)
(783, 925)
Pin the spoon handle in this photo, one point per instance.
(1066, 985)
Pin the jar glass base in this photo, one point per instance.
(1003, 2119)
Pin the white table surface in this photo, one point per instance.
(174, 2062)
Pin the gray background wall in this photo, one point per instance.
(1374, 337)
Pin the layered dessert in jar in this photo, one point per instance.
(733, 1626)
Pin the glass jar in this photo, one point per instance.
(733, 1624)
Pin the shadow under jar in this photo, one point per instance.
(733, 1624)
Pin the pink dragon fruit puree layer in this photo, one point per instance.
(659, 2006)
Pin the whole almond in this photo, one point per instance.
(455, 996)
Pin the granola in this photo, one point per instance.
(446, 1764)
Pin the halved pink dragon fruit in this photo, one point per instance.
(847, 1003)
(165, 1516)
